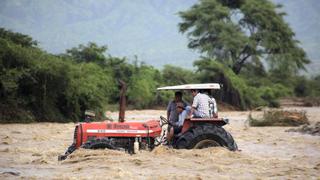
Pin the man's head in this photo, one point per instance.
(89, 116)
(178, 96)
(194, 92)
(180, 107)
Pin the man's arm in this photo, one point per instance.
(215, 108)
(168, 110)
(194, 105)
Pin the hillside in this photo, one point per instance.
(147, 29)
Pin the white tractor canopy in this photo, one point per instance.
(191, 86)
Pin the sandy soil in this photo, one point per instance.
(30, 151)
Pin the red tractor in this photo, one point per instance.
(132, 136)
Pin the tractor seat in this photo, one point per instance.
(225, 120)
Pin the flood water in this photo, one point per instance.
(30, 151)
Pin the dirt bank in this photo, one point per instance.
(31, 150)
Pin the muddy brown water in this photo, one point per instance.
(29, 151)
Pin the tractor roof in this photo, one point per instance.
(191, 86)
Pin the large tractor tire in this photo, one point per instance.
(206, 135)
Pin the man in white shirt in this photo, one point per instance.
(200, 106)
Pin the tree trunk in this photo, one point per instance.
(237, 66)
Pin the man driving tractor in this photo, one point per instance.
(172, 114)
(176, 127)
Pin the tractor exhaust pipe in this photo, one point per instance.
(122, 100)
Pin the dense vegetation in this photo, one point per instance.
(256, 58)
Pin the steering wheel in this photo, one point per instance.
(164, 121)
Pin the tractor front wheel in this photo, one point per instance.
(99, 143)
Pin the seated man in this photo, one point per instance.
(89, 116)
(176, 127)
(172, 114)
(200, 105)
(213, 109)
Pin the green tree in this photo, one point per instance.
(121, 69)
(173, 75)
(37, 86)
(237, 90)
(142, 86)
(18, 38)
(238, 32)
(89, 88)
(88, 53)
(15, 62)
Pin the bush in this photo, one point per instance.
(11, 114)
(280, 118)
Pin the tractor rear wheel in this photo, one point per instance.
(206, 135)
